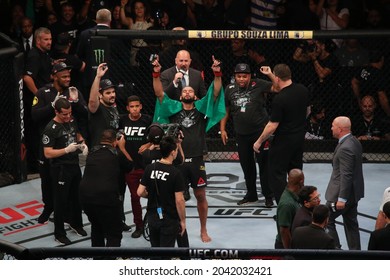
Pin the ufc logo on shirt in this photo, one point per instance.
(160, 175)
(135, 131)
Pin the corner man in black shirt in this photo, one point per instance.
(100, 191)
(61, 141)
(163, 185)
(245, 101)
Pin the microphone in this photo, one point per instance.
(179, 79)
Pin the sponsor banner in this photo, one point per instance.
(249, 34)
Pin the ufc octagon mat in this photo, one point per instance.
(230, 226)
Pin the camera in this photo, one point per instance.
(173, 130)
(152, 58)
(306, 47)
(119, 134)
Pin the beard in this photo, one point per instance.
(188, 100)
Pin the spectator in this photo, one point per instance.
(264, 14)
(26, 38)
(287, 124)
(367, 125)
(191, 115)
(100, 190)
(209, 15)
(173, 78)
(370, 80)
(236, 14)
(59, 141)
(308, 198)
(287, 208)
(333, 16)
(51, 19)
(61, 51)
(168, 54)
(352, 54)
(380, 238)
(315, 122)
(346, 184)
(134, 126)
(139, 20)
(245, 102)
(301, 15)
(314, 235)
(116, 22)
(324, 85)
(166, 214)
(236, 54)
(71, 22)
(380, 220)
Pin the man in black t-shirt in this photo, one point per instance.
(287, 124)
(42, 112)
(245, 101)
(163, 185)
(61, 141)
(102, 106)
(100, 192)
(134, 126)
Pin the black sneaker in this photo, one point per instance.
(269, 202)
(137, 233)
(44, 217)
(126, 227)
(78, 230)
(245, 201)
(63, 240)
(187, 195)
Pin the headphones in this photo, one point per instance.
(152, 138)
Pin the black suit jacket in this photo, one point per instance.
(311, 237)
(380, 239)
(195, 81)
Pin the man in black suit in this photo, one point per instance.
(26, 38)
(346, 184)
(380, 238)
(319, 239)
(91, 55)
(175, 78)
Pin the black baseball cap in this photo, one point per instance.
(61, 66)
(242, 68)
(155, 133)
(105, 84)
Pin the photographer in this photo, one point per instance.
(196, 117)
(154, 134)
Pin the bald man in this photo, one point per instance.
(287, 208)
(175, 78)
(346, 184)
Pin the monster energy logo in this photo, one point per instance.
(99, 56)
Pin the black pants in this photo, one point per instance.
(106, 224)
(46, 185)
(248, 159)
(66, 180)
(286, 152)
(163, 232)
